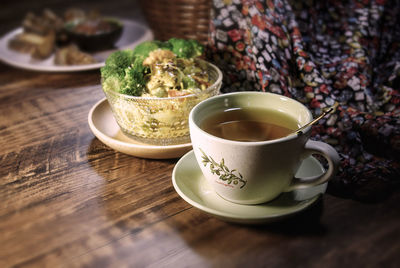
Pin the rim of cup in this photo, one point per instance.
(199, 106)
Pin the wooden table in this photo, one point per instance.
(66, 199)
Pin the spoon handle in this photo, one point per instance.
(324, 113)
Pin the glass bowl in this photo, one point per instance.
(159, 121)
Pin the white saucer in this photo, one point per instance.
(105, 128)
(190, 184)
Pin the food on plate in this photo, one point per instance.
(46, 48)
(39, 36)
(71, 55)
(40, 47)
(152, 88)
(48, 33)
(42, 24)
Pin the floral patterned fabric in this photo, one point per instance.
(322, 53)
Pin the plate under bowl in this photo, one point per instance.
(102, 123)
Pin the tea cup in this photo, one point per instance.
(255, 172)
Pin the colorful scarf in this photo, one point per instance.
(322, 53)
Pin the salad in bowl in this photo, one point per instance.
(152, 88)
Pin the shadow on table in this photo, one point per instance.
(235, 245)
(306, 222)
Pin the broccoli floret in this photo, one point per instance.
(143, 49)
(185, 48)
(114, 68)
(109, 71)
(198, 48)
(134, 80)
(113, 83)
(112, 77)
(120, 59)
(123, 73)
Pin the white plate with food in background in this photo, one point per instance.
(133, 33)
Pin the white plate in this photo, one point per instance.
(190, 184)
(105, 128)
(133, 34)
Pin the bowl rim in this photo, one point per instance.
(70, 24)
(210, 88)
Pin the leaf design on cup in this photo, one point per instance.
(221, 170)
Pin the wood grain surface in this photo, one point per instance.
(67, 200)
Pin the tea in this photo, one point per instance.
(250, 124)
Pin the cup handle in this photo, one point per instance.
(329, 153)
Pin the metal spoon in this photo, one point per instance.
(325, 111)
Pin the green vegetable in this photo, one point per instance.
(134, 82)
(189, 82)
(120, 59)
(124, 73)
(186, 48)
(181, 47)
(116, 64)
(142, 50)
(113, 83)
